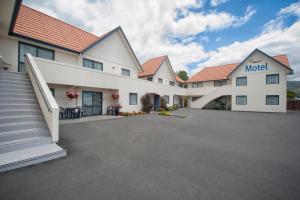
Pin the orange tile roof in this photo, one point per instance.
(151, 66)
(221, 72)
(213, 73)
(282, 59)
(178, 79)
(39, 26)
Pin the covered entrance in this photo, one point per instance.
(91, 103)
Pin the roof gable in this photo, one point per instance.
(114, 46)
(153, 65)
(282, 60)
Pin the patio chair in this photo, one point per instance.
(61, 113)
(110, 110)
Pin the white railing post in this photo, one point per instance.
(44, 96)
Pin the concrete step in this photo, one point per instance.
(14, 86)
(17, 91)
(14, 145)
(13, 73)
(29, 133)
(14, 77)
(30, 156)
(16, 95)
(18, 126)
(20, 112)
(14, 82)
(19, 106)
(4, 100)
(21, 118)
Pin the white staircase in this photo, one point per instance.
(24, 135)
(222, 91)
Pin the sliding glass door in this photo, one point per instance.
(91, 103)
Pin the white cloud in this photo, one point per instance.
(147, 24)
(293, 9)
(215, 3)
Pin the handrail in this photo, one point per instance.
(27, 57)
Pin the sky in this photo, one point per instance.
(193, 33)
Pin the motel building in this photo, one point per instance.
(44, 61)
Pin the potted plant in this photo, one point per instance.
(116, 105)
(72, 94)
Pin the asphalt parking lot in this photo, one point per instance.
(207, 155)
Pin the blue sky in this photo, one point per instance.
(194, 33)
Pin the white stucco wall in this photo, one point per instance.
(66, 74)
(257, 89)
(165, 73)
(114, 53)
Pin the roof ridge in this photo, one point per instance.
(60, 20)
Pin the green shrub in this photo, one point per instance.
(164, 113)
(146, 102)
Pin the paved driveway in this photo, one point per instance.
(208, 155)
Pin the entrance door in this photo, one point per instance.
(156, 102)
(91, 103)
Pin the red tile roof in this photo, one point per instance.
(282, 59)
(151, 66)
(39, 26)
(178, 79)
(221, 72)
(213, 73)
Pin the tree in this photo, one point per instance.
(291, 94)
(183, 75)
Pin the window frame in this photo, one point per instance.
(150, 78)
(136, 96)
(268, 75)
(197, 85)
(238, 96)
(160, 80)
(127, 70)
(220, 81)
(171, 83)
(272, 96)
(93, 61)
(36, 49)
(241, 77)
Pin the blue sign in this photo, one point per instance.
(255, 68)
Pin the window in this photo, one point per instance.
(219, 83)
(197, 85)
(272, 78)
(167, 99)
(125, 72)
(92, 64)
(241, 81)
(52, 91)
(171, 83)
(180, 85)
(34, 51)
(241, 100)
(150, 78)
(160, 80)
(272, 99)
(132, 98)
(185, 86)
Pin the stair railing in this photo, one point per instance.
(44, 96)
